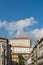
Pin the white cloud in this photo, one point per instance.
(34, 34)
(0, 24)
(11, 27)
(18, 26)
(24, 23)
(3, 24)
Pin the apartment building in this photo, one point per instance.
(20, 46)
(40, 52)
(3, 51)
(35, 54)
(30, 59)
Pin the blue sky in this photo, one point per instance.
(21, 9)
(13, 15)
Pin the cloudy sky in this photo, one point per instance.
(21, 18)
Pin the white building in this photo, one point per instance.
(20, 46)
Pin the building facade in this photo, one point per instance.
(40, 52)
(30, 59)
(3, 51)
(35, 54)
(20, 46)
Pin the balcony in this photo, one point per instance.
(40, 56)
(40, 61)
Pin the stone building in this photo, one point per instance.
(30, 59)
(40, 52)
(3, 51)
(35, 54)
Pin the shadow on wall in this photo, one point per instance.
(15, 63)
